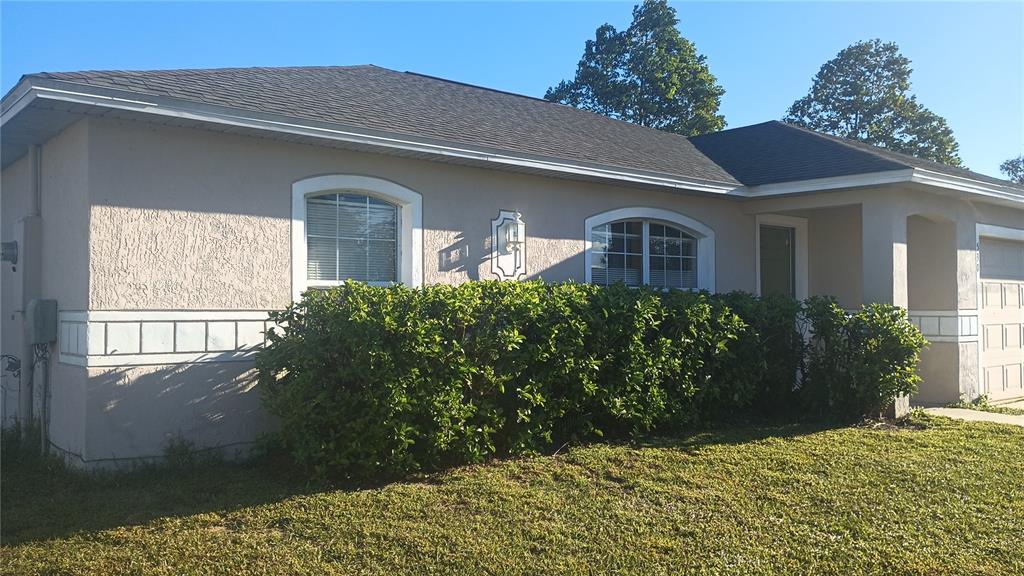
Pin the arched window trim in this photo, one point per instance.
(410, 222)
(704, 234)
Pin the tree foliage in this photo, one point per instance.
(864, 94)
(647, 74)
(1014, 169)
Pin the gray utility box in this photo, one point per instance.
(42, 321)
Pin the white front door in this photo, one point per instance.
(1002, 317)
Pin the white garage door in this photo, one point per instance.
(1002, 318)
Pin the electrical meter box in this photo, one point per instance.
(42, 321)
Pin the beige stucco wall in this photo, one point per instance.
(53, 264)
(136, 411)
(191, 220)
(65, 211)
(15, 202)
(141, 217)
(216, 209)
(939, 370)
(834, 254)
(931, 264)
(69, 423)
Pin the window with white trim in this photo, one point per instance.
(351, 236)
(642, 251)
(348, 226)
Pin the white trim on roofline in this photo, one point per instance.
(831, 183)
(987, 189)
(46, 89)
(1004, 232)
(168, 107)
(909, 175)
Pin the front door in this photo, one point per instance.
(778, 260)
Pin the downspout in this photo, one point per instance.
(26, 400)
(36, 162)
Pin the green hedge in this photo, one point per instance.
(370, 381)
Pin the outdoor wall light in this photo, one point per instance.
(508, 245)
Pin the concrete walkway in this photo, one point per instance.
(978, 415)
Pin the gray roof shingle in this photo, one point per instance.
(774, 152)
(411, 104)
(405, 103)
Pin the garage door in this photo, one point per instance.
(1002, 318)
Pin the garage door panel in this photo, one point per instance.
(1012, 379)
(1002, 317)
(994, 380)
(1011, 295)
(992, 295)
(1011, 337)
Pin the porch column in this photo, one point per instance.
(968, 296)
(941, 269)
(884, 273)
(884, 249)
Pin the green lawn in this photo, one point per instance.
(933, 497)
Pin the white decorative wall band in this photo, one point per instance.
(137, 338)
(946, 325)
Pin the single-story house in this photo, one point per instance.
(167, 212)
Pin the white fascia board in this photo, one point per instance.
(1004, 232)
(832, 183)
(910, 175)
(977, 187)
(166, 107)
(44, 89)
(20, 97)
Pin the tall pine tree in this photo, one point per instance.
(647, 74)
(864, 94)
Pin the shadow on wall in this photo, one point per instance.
(134, 413)
(464, 256)
(472, 257)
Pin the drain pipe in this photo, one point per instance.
(29, 283)
(36, 163)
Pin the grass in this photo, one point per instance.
(934, 497)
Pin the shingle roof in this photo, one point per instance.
(773, 152)
(411, 104)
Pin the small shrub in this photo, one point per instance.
(181, 453)
(858, 363)
(372, 381)
(20, 445)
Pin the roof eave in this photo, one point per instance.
(939, 182)
(34, 88)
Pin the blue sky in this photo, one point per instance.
(968, 58)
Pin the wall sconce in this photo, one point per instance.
(508, 245)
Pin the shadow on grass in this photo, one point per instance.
(43, 500)
(737, 433)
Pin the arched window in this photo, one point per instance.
(355, 228)
(649, 246)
